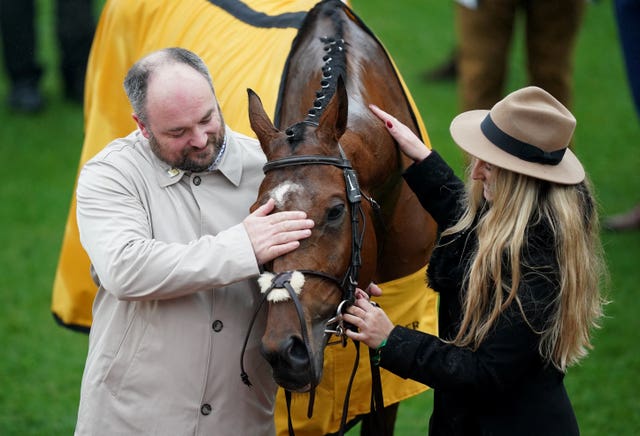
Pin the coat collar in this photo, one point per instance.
(231, 163)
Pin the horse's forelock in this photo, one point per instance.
(295, 134)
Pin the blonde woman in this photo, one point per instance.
(517, 267)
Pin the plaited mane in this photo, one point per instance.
(335, 65)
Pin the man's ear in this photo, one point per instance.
(141, 126)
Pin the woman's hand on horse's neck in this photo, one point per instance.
(409, 143)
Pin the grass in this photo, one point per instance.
(41, 363)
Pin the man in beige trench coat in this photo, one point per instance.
(163, 216)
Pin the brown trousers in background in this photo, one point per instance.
(484, 39)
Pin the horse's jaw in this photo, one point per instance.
(284, 384)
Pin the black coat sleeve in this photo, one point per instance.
(505, 356)
(437, 188)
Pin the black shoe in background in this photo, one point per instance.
(623, 222)
(24, 97)
(445, 72)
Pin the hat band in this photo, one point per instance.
(517, 148)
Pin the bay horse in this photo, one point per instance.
(329, 156)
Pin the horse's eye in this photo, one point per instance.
(335, 212)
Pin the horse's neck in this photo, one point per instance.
(406, 233)
(408, 239)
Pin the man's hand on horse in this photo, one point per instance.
(273, 235)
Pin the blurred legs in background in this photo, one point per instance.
(485, 32)
(446, 71)
(75, 26)
(19, 50)
(628, 21)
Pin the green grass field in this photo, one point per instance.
(41, 363)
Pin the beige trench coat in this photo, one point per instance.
(177, 292)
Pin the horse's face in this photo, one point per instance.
(294, 338)
(327, 250)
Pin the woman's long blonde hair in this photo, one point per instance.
(518, 201)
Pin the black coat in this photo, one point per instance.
(504, 387)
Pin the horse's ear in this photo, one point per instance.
(333, 121)
(260, 122)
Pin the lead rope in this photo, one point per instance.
(377, 402)
(345, 405)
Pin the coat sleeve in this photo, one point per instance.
(506, 354)
(437, 188)
(131, 264)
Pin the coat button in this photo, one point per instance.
(217, 325)
(205, 409)
(197, 180)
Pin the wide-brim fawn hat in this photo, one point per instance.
(527, 132)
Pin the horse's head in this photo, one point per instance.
(307, 170)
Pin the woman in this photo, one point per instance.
(517, 267)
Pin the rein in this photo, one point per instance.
(335, 325)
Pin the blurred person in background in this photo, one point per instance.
(75, 26)
(628, 21)
(484, 33)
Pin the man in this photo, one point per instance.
(162, 214)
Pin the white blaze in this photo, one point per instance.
(280, 192)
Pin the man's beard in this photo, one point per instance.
(186, 162)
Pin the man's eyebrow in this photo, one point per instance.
(208, 114)
(177, 128)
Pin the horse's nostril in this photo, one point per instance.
(297, 352)
(290, 353)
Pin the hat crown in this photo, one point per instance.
(534, 116)
(526, 132)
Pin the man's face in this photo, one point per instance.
(184, 124)
(191, 150)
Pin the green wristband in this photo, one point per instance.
(375, 357)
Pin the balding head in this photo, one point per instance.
(136, 82)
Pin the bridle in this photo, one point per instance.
(354, 196)
(348, 283)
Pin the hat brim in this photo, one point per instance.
(465, 131)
